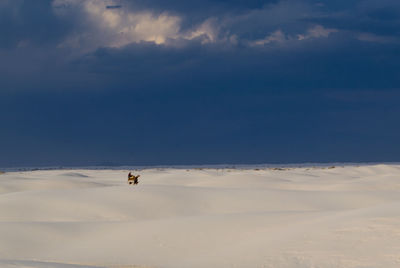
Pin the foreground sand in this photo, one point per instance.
(300, 217)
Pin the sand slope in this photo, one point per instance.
(300, 217)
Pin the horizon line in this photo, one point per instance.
(196, 166)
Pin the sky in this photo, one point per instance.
(182, 82)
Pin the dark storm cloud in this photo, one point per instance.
(199, 6)
(378, 17)
(327, 63)
(283, 81)
(24, 22)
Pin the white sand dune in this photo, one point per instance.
(300, 217)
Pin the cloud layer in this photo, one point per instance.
(90, 24)
(171, 81)
(117, 24)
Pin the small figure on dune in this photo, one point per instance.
(133, 179)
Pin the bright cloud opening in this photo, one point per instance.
(117, 27)
(105, 25)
